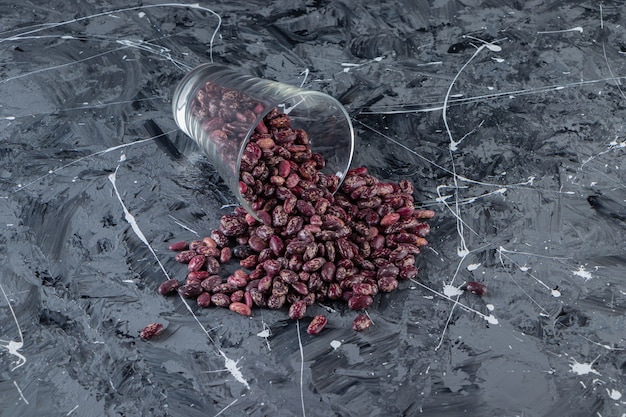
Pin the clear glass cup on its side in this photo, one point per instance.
(221, 108)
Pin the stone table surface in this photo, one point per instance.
(508, 116)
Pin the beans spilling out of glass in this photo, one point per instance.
(305, 244)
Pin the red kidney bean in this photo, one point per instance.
(334, 291)
(198, 275)
(475, 287)
(178, 246)
(313, 265)
(361, 322)
(211, 282)
(424, 214)
(250, 262)
(300, 287)
(220, 238)
(316, 325)
(387, 284)
(310, 299)
(345, 249)
(264, 217)
(225, 255)
(279, 216)
(315, 282)
(408, 272)
(264, 232)
(232, 225)
(362, 229)
(208, 251)
(265, 283)
(256, 243)
(389, 219)
(258, 298)
(151, 330)
(284, 168)
(276, 302)
(196, 263)
(297, 310)
(363, 288)
(240, 308)
(225, 288)
(295, 263)
(238, 280)
(279, 288)
(288, 276)
(360, 302)
(276, 245)
(272, 267)
(209, 242)
(389, 270)
(195, 244)
(212, 266)
(190, 290)
(220, 300)
(330, 251)
(406, 186)
(253, 283)
(237, 296)
(185, 256)
(169, 287)
(247, 299)
(204, 300)
(306, 235)
(398, 254)
(328, 271)
(310, 251)
(294, 225)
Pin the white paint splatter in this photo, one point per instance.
(451, 290)
(13, 346)
(473, 267)
(20, 392)
(264, 333)
(490, 307)
(306, 74)
(583, 273)
(614, 394)
(583, 368)
(335, 344)
(575, 29)
(301, 368)
(555, 292)
(491, 319)
(231, 366)
(131, 219)
(183, 226)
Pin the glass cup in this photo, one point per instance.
(220, 108)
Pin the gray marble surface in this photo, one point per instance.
(507, 115)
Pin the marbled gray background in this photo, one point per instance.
(531, 202)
